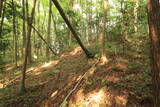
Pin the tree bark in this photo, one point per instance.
(24, 26)
(88, 54)
(1, 7)
(154, 33)
(71, 3)
(29, 48)
(14, 33)
(136, 15)
(49, 31)
(2, 19)
(103, 38)
(29, 22)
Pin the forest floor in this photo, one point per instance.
(123, 81)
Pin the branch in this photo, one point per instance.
(43, 39)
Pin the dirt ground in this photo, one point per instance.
(113, 84)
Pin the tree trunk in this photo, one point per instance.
(154, 32)
(88, 54)
(49, 31)
(71, 20)
(24, 26)
(29, 22)
(1, 7)
(2, 19)
(14, 33)
(103, 33)
(29, 48)
(136, 15)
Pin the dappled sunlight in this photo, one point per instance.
(30, 69)
(112, 78)
(92, 71)
(54, 94)
(99, 98)
(35, 56)
(103, 60)
(75, 51)
(48, 65)
(121, 100)
(95, 98)
(1, 86)
(10, 68)
(37, 73)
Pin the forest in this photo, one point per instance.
(79, 53)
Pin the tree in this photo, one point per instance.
(1, 6)
(71, 3)
(24, 26)
(14, 33)
(88, 54)
(29, 22)
(154, 33)
(49, 30)
(136, 15)
(103, 33)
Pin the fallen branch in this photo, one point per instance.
(63, 104)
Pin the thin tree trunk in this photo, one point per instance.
(136, 15)
(24, 27)
(29, 48)
(103, 35)
(2, 19)
(88, 54)
(29, 22)
(49, 31)
(71, 20)
(14, 33)
(1, 7)
(103, 38)
(154, 32)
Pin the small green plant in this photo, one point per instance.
(88, 83)
(133, 65)
(104, 81)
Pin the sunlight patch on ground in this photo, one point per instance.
(54, 94)
(121, 100)
(104, 60)
(47, 65)
(30, 69)
(37, 73)
(112, 78)
(35, 56)
(75, 51)
(1, 86)
(92, 99)
(10, 68)
(92, 71)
